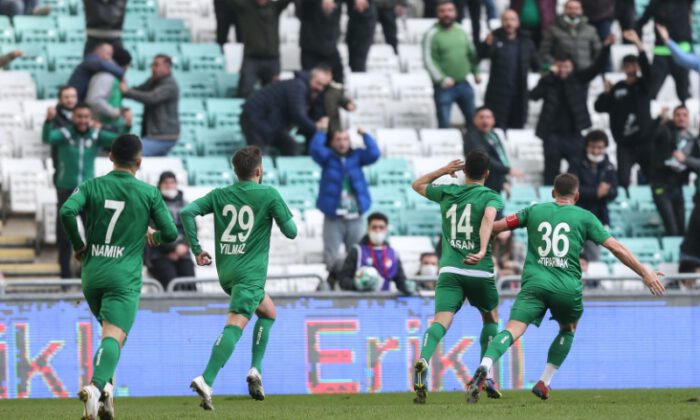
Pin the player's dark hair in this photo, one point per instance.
(82, 105)
(566, 185)
(377, 216)
(246, 161)
(596, 136)
(476, 164)
(681, 106)
(121, 57)
(482, 108)
(165, 176)
(63, 89)
(630, 59)
(166, 58)
(125, 150)
(563, 56)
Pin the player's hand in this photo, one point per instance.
(489, 39)
(350, 107)
(603, 189)
(474, 259)
(16, 54)
(607, 85)
(128, 116)
(79, 254)
(663, 32)
(651, 280)
(150, 239)
(123, 86)
(517, 173)
(447, 83)
(453, 167)
(50, 113)
(203, 258)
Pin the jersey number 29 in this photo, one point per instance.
(244, 218)
(463, 225)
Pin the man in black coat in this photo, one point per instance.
(362, 21)
(512, 54)
(319, 34)
(565, 112)
(481, 136)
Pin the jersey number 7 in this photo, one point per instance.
(118, 207)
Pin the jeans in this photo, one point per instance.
(558, 146)
(671, 206)
(603, 29)
(310, 59)
(490, 9)
(661, 68)
(463, 94)
(152, 147)
(338, 232)
(253, 69)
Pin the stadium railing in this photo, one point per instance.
(177, 284)
(61, 286)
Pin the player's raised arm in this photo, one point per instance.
(420, 185)
(198, 207)
(487, 224)
(166, 231)
(649, 277)
(69, 213)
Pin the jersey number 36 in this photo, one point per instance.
(554, 240)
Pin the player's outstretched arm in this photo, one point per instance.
(187, 215)
(649, 277)
(485, 230)
(69, 218)
(420, 185)
(289, 229)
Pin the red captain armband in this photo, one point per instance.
(512, 221)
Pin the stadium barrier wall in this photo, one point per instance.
(341, 343)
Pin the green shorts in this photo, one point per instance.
(532, 303)
(114, 305)
(245, 298)
(453, 289)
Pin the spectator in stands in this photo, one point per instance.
(674, 15)
(12, 8)
(597, 183)
(628, 103)
(508, 257)
(536, 16)
(225, 14)
(78, 145)
(474, 6)
(343, 196)
(333, 99)
(104, 21)
(625, 13)
(259, 25)
(171, 260)
(6, 59)
(63, 117)
(429, 267)
(681, 57)
(273, 110)
(101, 59)
(484, 138)
(512, 55)
(362, 21)
(690, 247)
(373, 250)
(600, 14)
(571, 33)
(449, 57)
(672, 145)
(319, 35)
(104, 96)
(564, 115)
(160, 94)
(387, 13)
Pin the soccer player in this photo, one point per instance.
(119, 208)
(551, 277)
(468, 213)
(243, 215)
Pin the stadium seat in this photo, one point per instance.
(298, 171)
(7, 32)
(192, 113)
(381, 59)
(33, 58)
(671, 248)
(368, 86)
(421, 223)
(168, 30)
(184, 148)
(412, 114)
(141, 7)
(134, 30)
(209, 171)
(146, 51)
(233, 54)
(36, 29)
(65, 57)
(411, 57)
(224, 112)
(29, 144)
(202, 57)
(416, 28)
(388, 196)
(313, 222)
(46, 212)
(523, 195)
(290, 57)
(153, 167)
(226, 84)
(369, 115)
(299, 197)
(398, 142)
(639, 194)
(71, 28)
(415, 86)
(390, 172)
(196, 85)
(409, 249)
(10, 115)
(447, 143)
(220, 141)
(270, 173)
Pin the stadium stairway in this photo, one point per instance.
(17, 256)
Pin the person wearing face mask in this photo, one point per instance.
(171, 260)
(429, 262)
(343, 196)
(374, 251)
(571, 33)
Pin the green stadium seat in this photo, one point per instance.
(59, 8)
(298, 197)
(227, 84)
(418, 202)
(619, 222)
(134, 30)
(219, 141)
(33, 60)
(645, 223)
(640, 194)
(647, 250)
(48, 83)
(671, 246)
(270, 173)
(209, 171)
(390, 172)
(202, 57)
(36, 29)
(136, 77)
(421, 223)
(168, 30)
(71, 28)
(192, 113)
(301, 170)
(524, 195)
(65, 57)
(388, 196)
(7, 32)
(688, 195)
(196, 85)
(183, 149)
(141, 7)
(146, 51)
(224, 112)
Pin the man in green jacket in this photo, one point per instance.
(77, 147)
(449, 56)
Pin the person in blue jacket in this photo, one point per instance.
(343, 195)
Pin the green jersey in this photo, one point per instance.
(243, 215)
(462, 208)
(556, 234)
(118, 208)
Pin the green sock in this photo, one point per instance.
(431, 339)
(261, 333)
(220, 353)
(489, 331)
(560, 348)
(105, 362)
(499, 345)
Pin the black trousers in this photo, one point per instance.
(65, 250)
(91, 42)
(661, 68)
(627, 156)
(164, 269)
(516, 116)
(225, 17)
(359, 37)
(310, 59)
(282, 141)
(671, 206)
(387, 18)
(253, 70)
(558, 146)
(625, 13)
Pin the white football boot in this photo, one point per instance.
(90, 395)
(204, 391)
(255, 387)
(106, 411)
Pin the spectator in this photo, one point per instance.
(597, 183)
(319, 35)
(536, 16)
(482, 137)
(171, 260)
(225, 14)
(374, 251)
(672, 144)
(273, 110)
(6, 59)
(681, 57)
(449, 57)
(333, 99)
(571, 33)
(362, 21)
(565, 112)
(628, 103)
(600, 14)
(512, 54)
(98, 61)
(261, 42)
(387, 13)
(78, 145)
(674, 15)
(160, 94)
(104, 21)
(63, 116)
(509, 256)
(690, 247)
(343, 196)
(12, 8)
(429, 267)
(474, 7)
(104, 96)
(625, 13)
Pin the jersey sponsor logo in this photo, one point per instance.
(554, 262)
(107, 251)
(231, 249)
(460, 244)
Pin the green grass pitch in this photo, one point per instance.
(589, 404)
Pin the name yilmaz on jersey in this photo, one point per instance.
(107, 251)
(232, 249)
(555, 262)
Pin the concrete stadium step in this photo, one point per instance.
(16, 255)
(15, 241)
(30, 270)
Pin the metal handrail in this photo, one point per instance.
(277, 277)
(64, 282)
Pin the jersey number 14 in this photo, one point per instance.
(463, 225)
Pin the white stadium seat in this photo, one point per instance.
(412, 86)
(233, 54)
(442, 142)
(398, 142)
